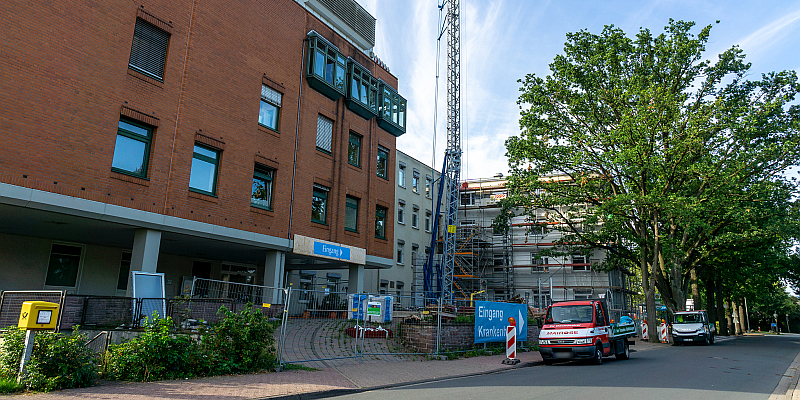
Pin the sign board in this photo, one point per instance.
(331, 250)
(149, 287)
(491, 320)
(334, 251)
(374, 308)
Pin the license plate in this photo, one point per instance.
(688, 340)
(562, 354)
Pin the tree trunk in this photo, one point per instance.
(723, 323)
(698, 305)
(649, 296)
(742, 316)
(732, 324)
(712, 309)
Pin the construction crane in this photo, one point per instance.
(451, 170)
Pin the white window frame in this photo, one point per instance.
(401, 212)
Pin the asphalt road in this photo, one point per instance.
(744, 368)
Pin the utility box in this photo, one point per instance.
(38, 315)
(378, 308)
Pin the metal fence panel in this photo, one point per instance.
(11, 303)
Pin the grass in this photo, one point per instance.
(9, 386)
(297, 367)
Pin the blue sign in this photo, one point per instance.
(331, 250)
(491, 320)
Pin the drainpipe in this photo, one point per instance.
(297, 132)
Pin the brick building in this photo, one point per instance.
(226, 140)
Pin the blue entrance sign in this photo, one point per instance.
(331, 250)
(491, 320)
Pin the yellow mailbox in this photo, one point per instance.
(38, 315)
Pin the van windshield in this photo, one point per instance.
(569, 314)
(688, 318)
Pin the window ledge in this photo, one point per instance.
(202, 196)
(266, 129)
(261, 210)
(136, 74)
(355, 167)
(351, 233)
(324, 153)
(321, 225)
(130, 178)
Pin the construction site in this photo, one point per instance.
(512, 264)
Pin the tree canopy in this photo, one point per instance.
(678, 161)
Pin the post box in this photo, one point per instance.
(39, 315)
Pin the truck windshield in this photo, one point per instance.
(688, 318)
(569, 314)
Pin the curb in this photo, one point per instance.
(787, 387)
(342, 392)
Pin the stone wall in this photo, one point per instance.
(421, 338)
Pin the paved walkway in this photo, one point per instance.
(296, 384)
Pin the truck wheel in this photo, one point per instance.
(598, 355)
(626, 351)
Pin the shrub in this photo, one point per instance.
(240, 342)
(58, 361)
(9, 386)
(155, 354)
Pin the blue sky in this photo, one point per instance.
(502, 40)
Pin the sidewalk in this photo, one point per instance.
(299, 384)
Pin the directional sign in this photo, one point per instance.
(491, 320)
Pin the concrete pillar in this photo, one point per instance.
(355, 281)
(273, 276)
(146, 244)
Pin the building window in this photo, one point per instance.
(538, 230)
(414, 251)
(205, 165)
(401, 212)
(269, 113)
(261, 195)
(65, 261)
(537, 260)
(579, 262)
(428, 186)
(380, 222)
(326, 67)
(383, 162)
(400, 251)
(149, 50)
(415, 217)
(354, 150)
(362, 97)
(351, 214)
(124, 271)
(324, 133)
(415, 182)
(468, 199)
(132, 149)
(427, 221)
(401, 175)
(392, 113)
(319, 204)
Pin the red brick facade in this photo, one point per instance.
(66, 83)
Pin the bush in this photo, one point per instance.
(155, 355)
(240, 342)
(9, 386)
(58, 361)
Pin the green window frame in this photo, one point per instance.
(205, 169)
(362, 91)
(392, 112)
(383, 162)
(319, 204)
(263, 187)
(351, 214)
(132, 148)
(327, 67)
(380, 221)
(354, 150)
(269, 112)
(149, 49)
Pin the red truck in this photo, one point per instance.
(583, 330)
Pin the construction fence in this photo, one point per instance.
(318, 328)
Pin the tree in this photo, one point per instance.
(670, 152)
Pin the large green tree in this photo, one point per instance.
(643, 147)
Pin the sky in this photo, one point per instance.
(503, 40)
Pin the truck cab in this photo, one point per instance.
(583, 330)
(692, 326)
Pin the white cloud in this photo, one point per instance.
(769, 34)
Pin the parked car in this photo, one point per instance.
(692, 326)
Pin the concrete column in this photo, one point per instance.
(355, 280)
(146, 244)
(273, 276)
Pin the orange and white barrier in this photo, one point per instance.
(645, 336)
(662, 332)
(511, 342)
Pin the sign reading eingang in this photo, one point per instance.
(491, 320)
